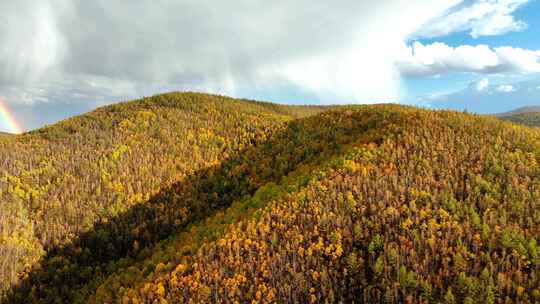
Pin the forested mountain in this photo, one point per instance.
(183, 198)
(522, 110)
(529, 116)
(529, 119)
(61, 181)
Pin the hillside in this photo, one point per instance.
(531, 119)
(61, 181)
(528, 116)
(522, 110)
(185, 198)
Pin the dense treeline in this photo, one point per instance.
(529, 119)
(279, 204)
(62, 181)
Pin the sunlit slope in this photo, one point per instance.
(408, 206)
(58, 182)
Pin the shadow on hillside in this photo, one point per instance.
(61, 274)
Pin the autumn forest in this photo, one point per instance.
(196, 198)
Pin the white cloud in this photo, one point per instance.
(519, 59)
(481, 18)
(32, 42)
(496, 98)
(439, 58)
(341, 51)
(481, 85)
(505, 88)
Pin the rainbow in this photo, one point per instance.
(8, 120)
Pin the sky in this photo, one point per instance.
(60, 58)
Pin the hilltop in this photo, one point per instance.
(190, 197)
